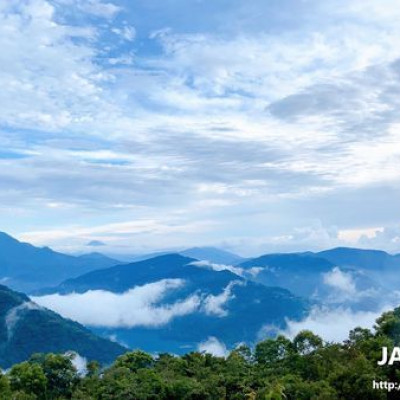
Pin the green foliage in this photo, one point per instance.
(304, 368)
(271, 351)
(134, 361)
(61, 375)
(5, 391)
(306, 342)
(22, 396)
(28, 378)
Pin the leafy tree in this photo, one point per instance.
(280, 369)
(271, 351)
(306, 342)
(135, 360)
(5, 390)
(28, 378)
(275, 391)
(22, 396)
(119, 383)
(93, 368)
(389, 325)
(60, 373)
(238, 373)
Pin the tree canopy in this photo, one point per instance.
(304, 368)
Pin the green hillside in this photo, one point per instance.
(26, 328)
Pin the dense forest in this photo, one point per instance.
(304, 368)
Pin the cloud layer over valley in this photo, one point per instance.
(141, 306)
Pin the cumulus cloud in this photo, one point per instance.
(213, 346)
(387, 238)
(137, 307)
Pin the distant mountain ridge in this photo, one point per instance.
(246, 294)
(225, 304)
(29, 268)
(122, 277)
(26, 328)
(361, 279)
(301, 273)
(362, 258)
(99, 257)
(26, 267)
(211, 254)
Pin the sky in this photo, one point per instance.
(254, 126)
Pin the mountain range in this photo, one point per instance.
(302, 273)
(25, 267)
(174, 301)
(207, 253)
(221, 303)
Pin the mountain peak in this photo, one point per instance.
(213, 255)
(365, 258)
(353, 250)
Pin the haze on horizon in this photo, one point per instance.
(252, 126)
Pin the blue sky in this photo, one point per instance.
(256, 126)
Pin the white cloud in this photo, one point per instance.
(67, 89)
(218, 267)
(172, 229)
(312, 237)
(213, 346)
(287, 117)
(245, 273)
(137, 307)
(99, 8)
(254, 271)
(79, 362)
(126, 32)
(15, 314)
(387, 238)
(340, 280)
(348, 287)
(214, 304)
(354, 235)
(218, 65)
(334, 324)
